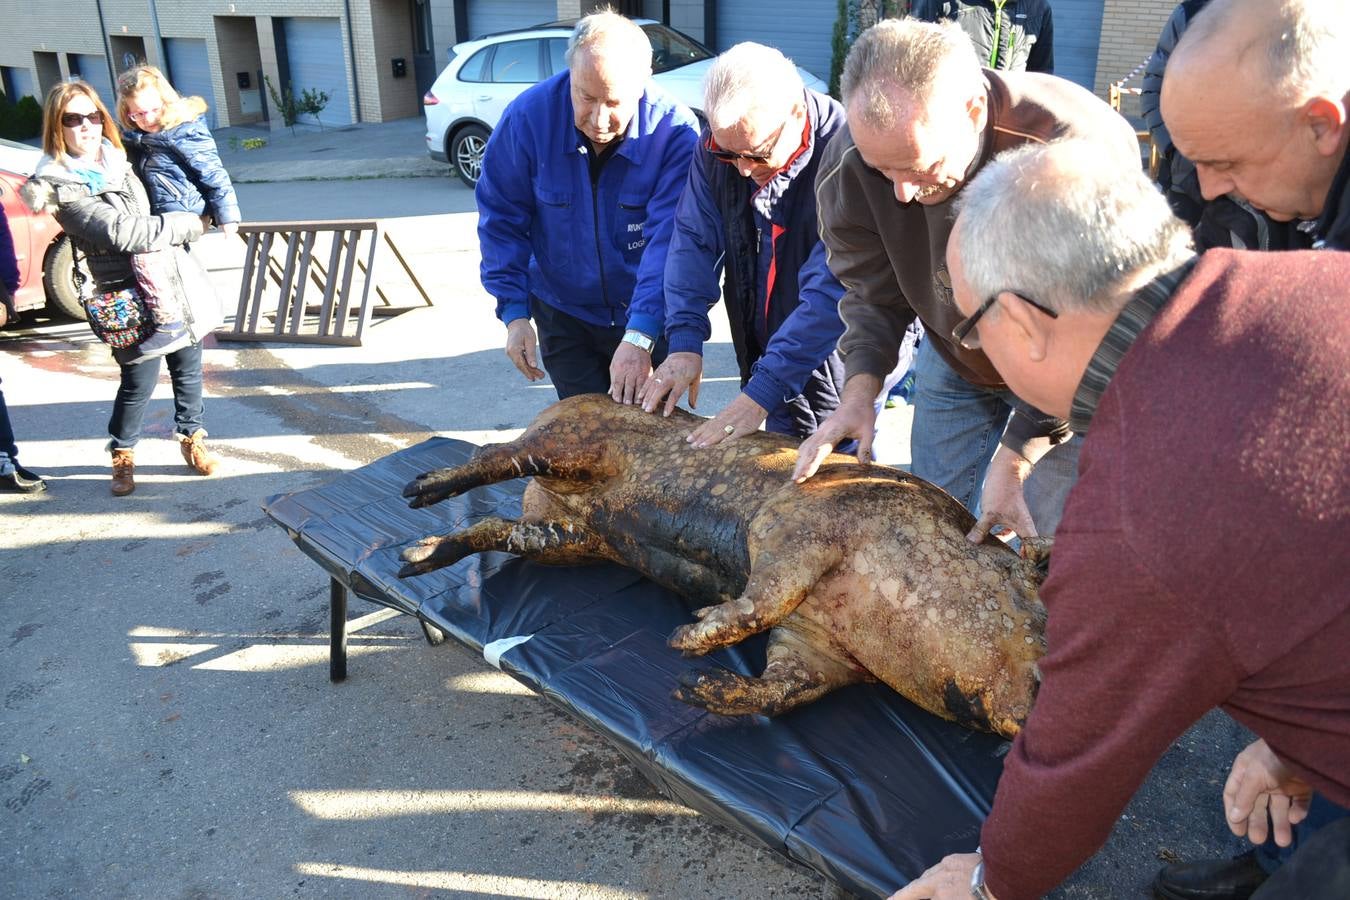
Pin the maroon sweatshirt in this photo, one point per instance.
(1203, 560)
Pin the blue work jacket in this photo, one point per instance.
(596, 253)
(724, 223)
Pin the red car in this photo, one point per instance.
(46, 267)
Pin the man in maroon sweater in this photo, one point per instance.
(1201, 559)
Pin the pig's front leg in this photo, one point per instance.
(779, 580)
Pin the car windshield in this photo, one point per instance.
(671, 50)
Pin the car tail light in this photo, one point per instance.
(429, 99)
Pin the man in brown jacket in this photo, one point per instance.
(923, 118)
(1212, 391)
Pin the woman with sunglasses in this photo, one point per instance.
(85, 181)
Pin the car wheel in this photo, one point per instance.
(466, 153)
(58, 279)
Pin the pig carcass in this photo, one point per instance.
(863, 572)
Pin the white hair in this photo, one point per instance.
(1303, 46)
(607, 32)
(746, 79)
(1049, 221)
(916, 59)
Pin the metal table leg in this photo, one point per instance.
(337, 646)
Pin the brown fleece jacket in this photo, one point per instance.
(891, 256)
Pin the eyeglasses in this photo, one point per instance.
(963, 332)
(73, 120)
(137, 116)
(727, 156)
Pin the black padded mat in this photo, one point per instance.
(862, 786)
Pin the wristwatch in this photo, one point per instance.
(977, 888)
(643, 342)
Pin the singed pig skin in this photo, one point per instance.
(862, 572)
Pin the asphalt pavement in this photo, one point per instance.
(168, 728)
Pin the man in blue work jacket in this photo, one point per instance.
(749, 211)
(575, 206)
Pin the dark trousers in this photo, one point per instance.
(138, 383)
(9, 452)
(1319, 869)
(577, 354)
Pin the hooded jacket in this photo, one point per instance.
(181, 168)
(106, 225)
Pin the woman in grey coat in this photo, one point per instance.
(84, 180)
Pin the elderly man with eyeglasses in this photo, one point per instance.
(748, 212)
(923, 119)
(1212, 390)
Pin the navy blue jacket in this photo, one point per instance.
(785, 339)
(182, 172)
(595, 253)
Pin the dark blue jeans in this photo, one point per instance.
(1321, 813)
(1318, 867)
(138, 383)
(9, 452)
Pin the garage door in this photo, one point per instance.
(19, 83)
(799, 28)
(190, 72)
(1078, 33)
(94, 70)
(318, 61)
(491, 16)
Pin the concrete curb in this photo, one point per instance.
(337, 170)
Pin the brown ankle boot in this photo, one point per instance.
(195, 453)
(124, 472)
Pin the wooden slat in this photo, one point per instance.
(363, 314)
(250, 260)
(260, 283)
(298, 305)
(345, 296)
(330, 286)
(288, 275)
(407, 268)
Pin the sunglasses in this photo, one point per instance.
(962, 332)
(73, 120)
(728, 156)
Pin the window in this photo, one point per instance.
(516, 62)
(670, 49)
(473, 70)
(557, 54)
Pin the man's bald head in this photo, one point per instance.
(1291, 48)
(1256, 95)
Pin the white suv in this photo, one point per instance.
(484, 75)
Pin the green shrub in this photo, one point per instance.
(20, 121)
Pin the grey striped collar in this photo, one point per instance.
(1132, 320)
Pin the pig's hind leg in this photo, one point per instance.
(800, 669)
(559, 542)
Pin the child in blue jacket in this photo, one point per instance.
(176, 159)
